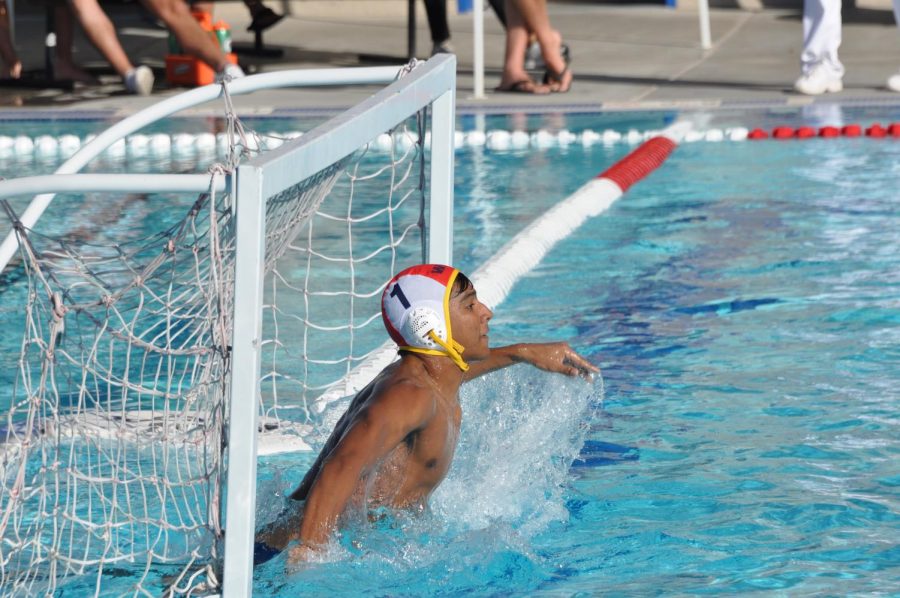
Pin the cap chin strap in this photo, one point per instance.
(454, 350)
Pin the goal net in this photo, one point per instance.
(129, 405)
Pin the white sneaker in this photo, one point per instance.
(893, 82)
(139, 81)
(230, 72)
(818, 81)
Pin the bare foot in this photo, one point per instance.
(14, 71)
(66, 71)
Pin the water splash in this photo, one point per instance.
(521, 431)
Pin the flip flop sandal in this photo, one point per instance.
(522, 86)
(551, 78)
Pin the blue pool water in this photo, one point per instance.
(743, 304)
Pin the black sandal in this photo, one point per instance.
(555, 80)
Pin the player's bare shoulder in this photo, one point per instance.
(405, 395)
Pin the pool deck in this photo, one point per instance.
(625, 57)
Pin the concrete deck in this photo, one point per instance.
(625, 56)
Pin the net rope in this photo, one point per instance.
(112, 441)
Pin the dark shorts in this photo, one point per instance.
(262, 553)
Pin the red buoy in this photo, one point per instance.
(851, 131)
(894, 129)
(805, 132)
(876, 130)
(757, 134)
(782, 132)
(829, 132)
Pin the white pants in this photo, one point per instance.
(822, 35)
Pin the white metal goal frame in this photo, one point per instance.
(431, 85)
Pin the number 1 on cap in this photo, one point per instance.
(398, 293)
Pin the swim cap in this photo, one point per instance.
(415, 307)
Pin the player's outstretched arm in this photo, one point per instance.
(375, 431)
(552, 357)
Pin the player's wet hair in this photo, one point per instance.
(461, 284)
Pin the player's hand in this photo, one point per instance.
(559, 358)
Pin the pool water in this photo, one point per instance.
(743, 304)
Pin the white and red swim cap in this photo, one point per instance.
(415, 307)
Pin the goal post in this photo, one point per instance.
(132, 426)
(432, 84)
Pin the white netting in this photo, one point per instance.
(111, 462)
(323, 311)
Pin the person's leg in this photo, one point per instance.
(193, 40)
(436, 11)
(514, 77)
(101, 32)
(821, 70)
(534, 15)
(65, 67)
(12, 66)
(821, 36)
(893, 82)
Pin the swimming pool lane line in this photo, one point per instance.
(521, 254)
(199, 145)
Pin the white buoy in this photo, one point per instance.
(383, 142)
(23, 145)
(160, 144)
(737, 133)
(543, 139)
(565, 137)
(498, 140)
(714, 135)
(46, 146)
(692, 136)
(475, 138)
(183, 144)
(68, 145)
(458, 139)
(117, 149)
(138, 145)
(206, 143)
(273, 142)
(610, 137)
(222, 144)
(590, 137)
(519, 139)
(6, 145)
(633, 136)
(405, 141)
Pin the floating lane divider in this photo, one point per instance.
(190, 145)
(496, 277)
(854, 130)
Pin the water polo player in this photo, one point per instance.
(395, 442)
